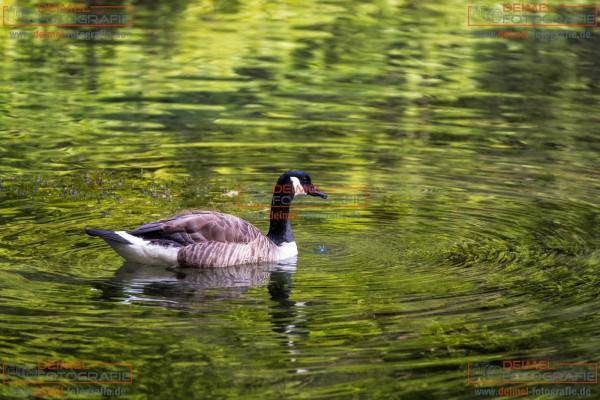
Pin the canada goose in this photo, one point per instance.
(213, 239)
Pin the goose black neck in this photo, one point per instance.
(280, 229)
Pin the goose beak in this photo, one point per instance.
(312, 191)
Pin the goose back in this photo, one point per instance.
(192, 227)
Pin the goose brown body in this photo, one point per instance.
(210, 239)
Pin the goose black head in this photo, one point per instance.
(288, 186)
(297, 183)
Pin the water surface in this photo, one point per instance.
(463, 181)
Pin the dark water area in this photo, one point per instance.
(462, 223)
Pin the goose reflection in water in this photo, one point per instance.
(189, 288)
(184, 287)
(288, 318)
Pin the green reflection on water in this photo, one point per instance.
(479, 239)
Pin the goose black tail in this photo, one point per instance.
(109, 236)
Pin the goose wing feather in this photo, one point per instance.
(195, 227)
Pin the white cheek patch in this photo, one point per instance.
(298, 188)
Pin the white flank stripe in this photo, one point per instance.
(143, 252)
